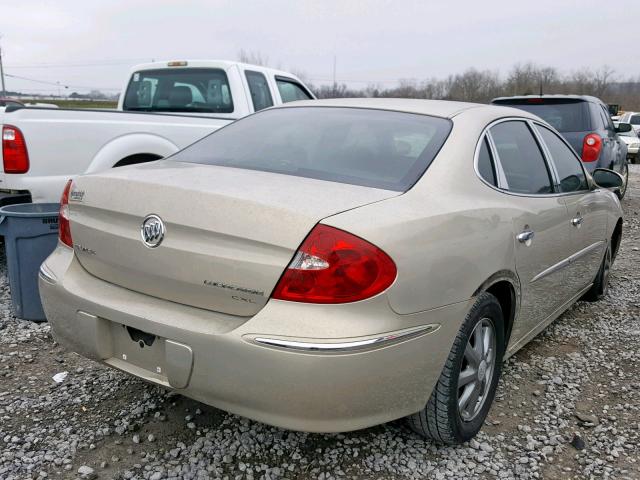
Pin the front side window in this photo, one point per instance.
(634, 120)
(524, 167)
(570, 172)
(179, 90)
(358, 146)
(290, 91)
(259, 89)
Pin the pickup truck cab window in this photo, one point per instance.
(200, 90)
(259, 89)
(290, 90)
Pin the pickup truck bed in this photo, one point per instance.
(90, 140)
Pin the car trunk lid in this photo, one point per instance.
(230, 233)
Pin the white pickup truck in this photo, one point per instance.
(165, 107)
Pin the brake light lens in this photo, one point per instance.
(591, 147)
(14, 150)
(334, 266)
(64, 228)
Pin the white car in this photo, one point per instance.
(633, 118)
(165, 106)
(632, 141)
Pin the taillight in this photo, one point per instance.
(14, 150)
(333, 266)
(591, 147)
(64, 229)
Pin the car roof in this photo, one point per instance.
(436, 108)
(558, 96)
(203, 63)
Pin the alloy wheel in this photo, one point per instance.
(476, 373)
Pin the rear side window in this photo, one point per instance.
(524, 167)
(564, 116)
(486, 168)
(259, 89)
(290, 91)
(358, 146)
(570, 172)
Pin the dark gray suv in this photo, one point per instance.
(585, 123)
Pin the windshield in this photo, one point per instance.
(179, 90)
(562, 115)
(373, 148)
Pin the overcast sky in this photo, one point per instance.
(93, 44)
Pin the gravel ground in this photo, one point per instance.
(568, 406)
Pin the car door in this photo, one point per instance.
(587, 211)
(540, 224)
(616, 151)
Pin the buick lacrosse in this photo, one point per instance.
(331, 265)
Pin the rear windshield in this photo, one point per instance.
(179, 90)
(564, 116)
(373, 148)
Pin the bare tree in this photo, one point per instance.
(252, 57)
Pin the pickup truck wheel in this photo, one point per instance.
(463, 395)
(625, 175)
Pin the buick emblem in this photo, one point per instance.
(152, 231)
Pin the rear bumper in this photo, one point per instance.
(10, 198)
(287, 366)
(42, 189)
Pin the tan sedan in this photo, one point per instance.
(331, 265)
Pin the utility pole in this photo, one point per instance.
(335, 85)
(2, 94)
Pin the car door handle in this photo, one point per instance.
(577, 220)
(525, 236)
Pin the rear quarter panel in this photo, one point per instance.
(448, 234)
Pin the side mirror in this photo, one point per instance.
(623, 127)
(605, 178)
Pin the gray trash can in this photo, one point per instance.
(30, 235)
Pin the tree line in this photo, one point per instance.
(481, 86)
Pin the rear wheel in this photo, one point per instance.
(600, 285)
(461, 399)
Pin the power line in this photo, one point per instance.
(106, 63)
(58, 84)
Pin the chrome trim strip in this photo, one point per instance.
(47, 275)
(348, 346)
(564, 263)
(552, 269)
(585, 251)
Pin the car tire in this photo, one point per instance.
(625, 175)
(600, 285)
(442, 419)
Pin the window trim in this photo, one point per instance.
(498, 165)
